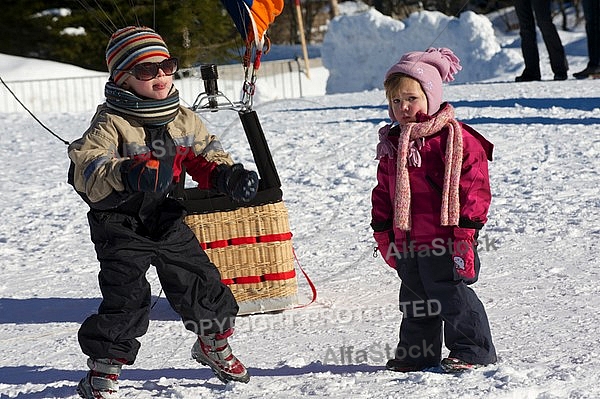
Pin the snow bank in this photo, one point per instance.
(359, 47)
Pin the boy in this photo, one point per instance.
(124, 167)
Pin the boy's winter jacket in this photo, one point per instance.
(426, 183)
(100, 156)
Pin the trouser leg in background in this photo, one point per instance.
(556, 51)
(528, 35)
(591, 11)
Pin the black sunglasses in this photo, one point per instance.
(149, 70)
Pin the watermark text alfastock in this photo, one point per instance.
(376, 353)
(438, 247)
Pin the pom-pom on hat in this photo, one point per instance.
(430, 68)
(130, 46)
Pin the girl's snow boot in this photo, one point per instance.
(454, 365)
(402, 366)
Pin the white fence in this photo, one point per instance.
(279, 79)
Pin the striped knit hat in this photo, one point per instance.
(130, 46)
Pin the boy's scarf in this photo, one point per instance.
(454, 153)
(148, 112)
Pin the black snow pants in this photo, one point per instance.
(530, 12)
(433, 299)
(191, 282)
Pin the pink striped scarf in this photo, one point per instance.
(450, 211)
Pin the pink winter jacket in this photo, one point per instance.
(426, 184)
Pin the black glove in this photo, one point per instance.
(148, 176)
(236, 182)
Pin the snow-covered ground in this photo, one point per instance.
(539, 280)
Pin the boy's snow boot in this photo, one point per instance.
(214, 351)
(101, 381)
(454, 365)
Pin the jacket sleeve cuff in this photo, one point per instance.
(381, 226)
(467, 223)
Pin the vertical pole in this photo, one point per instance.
(333, 9)
(302, 39)
(260, 150)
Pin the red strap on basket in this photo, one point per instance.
(259, 279)
(218, 244)
(309, 281)
(275, 237)
(243, 240)
(246, 240)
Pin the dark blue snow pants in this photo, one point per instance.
(437, 304)
(191, 282)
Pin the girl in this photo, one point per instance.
(431, 198)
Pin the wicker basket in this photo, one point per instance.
(251, 245)
(252, 248)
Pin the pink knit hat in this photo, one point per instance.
(430, 68)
